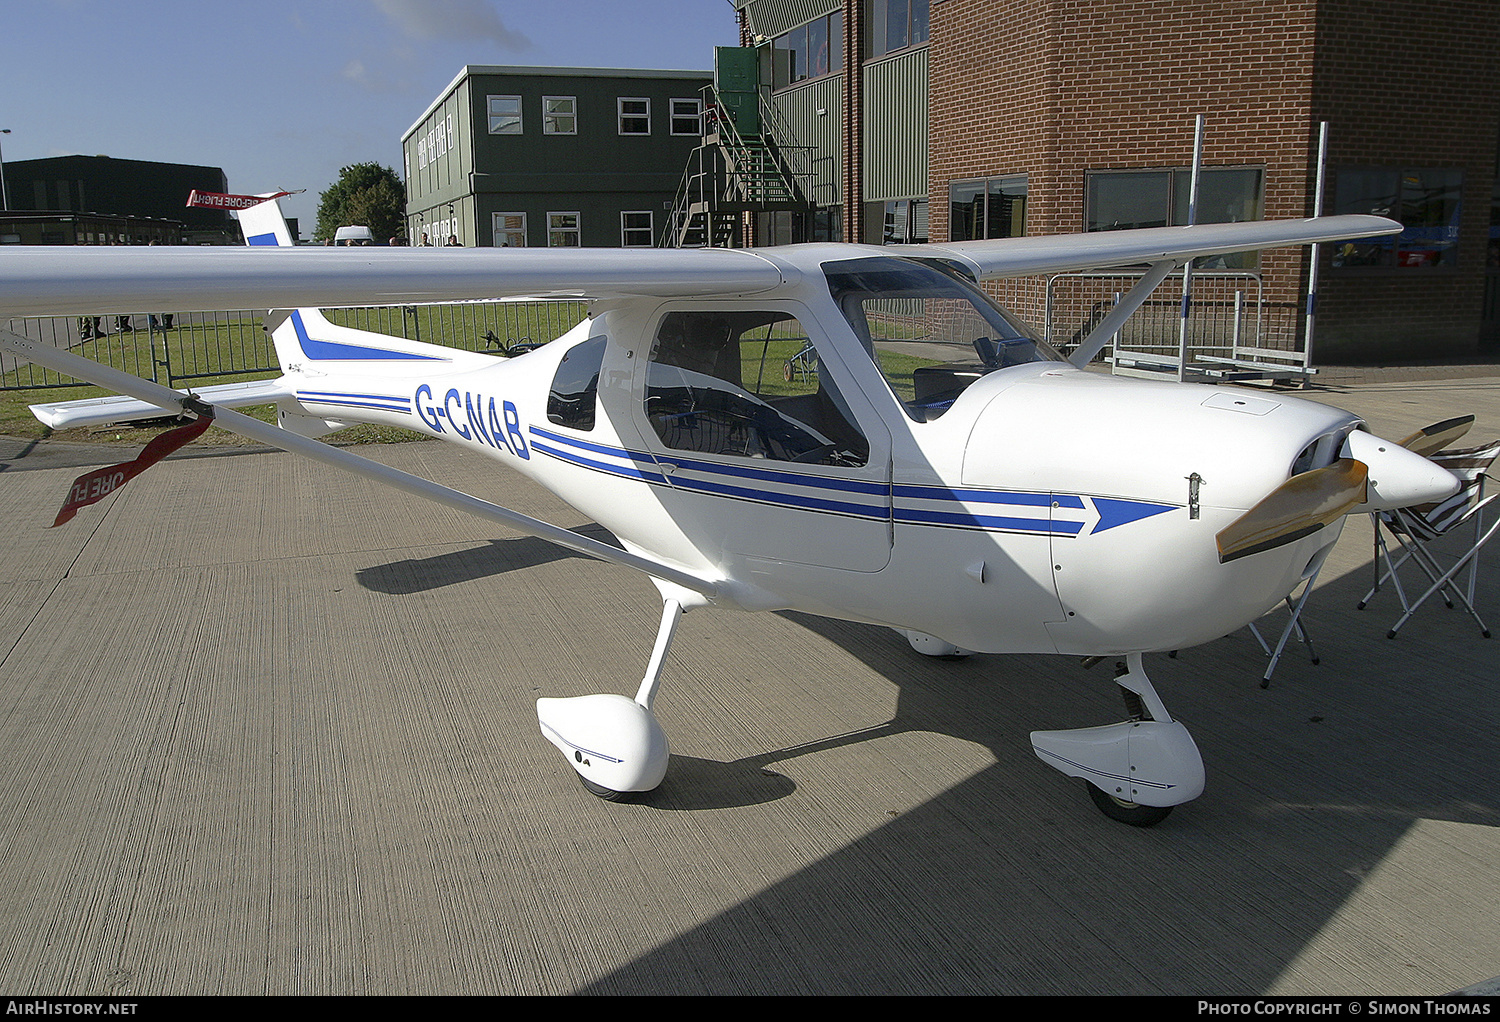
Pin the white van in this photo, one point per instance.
(353, 236)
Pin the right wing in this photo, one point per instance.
(1098, 250)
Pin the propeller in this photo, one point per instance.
(1430, 439)
(1298, 507)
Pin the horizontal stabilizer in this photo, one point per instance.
(97, 411)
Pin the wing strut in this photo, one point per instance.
(167, 399)
(1111, 324)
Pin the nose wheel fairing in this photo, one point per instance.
(1145, 762)
(1149, 760)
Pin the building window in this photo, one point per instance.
(1120, 200)
(686, 117)
(505, 115)
(509, 230)
(1492, 256)
(635, 116)
(808, 51)
(1426, 202)
(635, 229)
(559, 115)
(892, 25)
(790, 228)
(992, 207)
(905, 222)
(562, 230)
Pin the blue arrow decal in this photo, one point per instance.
(1113, 511)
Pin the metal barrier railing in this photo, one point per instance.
(195, 346)
(1229, 318)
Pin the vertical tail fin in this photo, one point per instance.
(264, 223)
(304, 336)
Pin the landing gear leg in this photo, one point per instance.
(615, 743)
(1138, 769)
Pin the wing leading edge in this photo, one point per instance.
(70, 281)
(66, 281)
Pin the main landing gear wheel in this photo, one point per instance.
(1132, 813)
(608, 794)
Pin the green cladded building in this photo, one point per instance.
(548, 156)
(99, 200)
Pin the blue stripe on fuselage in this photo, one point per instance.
(945, 504)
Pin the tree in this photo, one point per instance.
(365, 194)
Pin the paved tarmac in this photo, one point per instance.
(268, 730)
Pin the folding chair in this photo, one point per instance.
(1414, 531)
(1294, 607)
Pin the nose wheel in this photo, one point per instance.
(1136, 770)
(1132, 813)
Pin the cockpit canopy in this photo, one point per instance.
(930, 331)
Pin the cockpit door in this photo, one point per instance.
(768, 451)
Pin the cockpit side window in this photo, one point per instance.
(747, 384)
(575, 386)
(930, 332)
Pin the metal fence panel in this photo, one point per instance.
(169, 348)
(1228, 317)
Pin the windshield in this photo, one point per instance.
(930, 332)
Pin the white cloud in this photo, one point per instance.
(452, 19)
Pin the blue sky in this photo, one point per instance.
(282, 93)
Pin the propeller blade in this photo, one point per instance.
(1430, 439)
(1298, 507)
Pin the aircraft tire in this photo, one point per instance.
(608, 794)
(1130, 813)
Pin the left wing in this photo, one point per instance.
(80, 280)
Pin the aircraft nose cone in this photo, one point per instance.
(1398, 477)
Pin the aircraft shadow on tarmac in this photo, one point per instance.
(1010, 882)
(498, 556)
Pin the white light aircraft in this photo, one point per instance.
(854, 432)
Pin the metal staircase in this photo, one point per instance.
(744, 163)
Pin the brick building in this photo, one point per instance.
(1054, 116)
